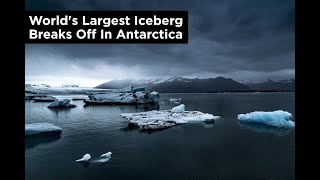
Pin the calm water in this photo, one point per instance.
(220, 150)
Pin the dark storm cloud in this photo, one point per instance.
(224, 37)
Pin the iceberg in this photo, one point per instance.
(108, 154)
(65, 103)
(282, 119)
(123, 98)
(104, 158)
(85, 157)
(41, 128)
(155, 120)
(178, 109)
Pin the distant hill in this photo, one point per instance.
(181, 85)
(118, 84)
(186, 85)
(270, 85)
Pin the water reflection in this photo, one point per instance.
(35, 140)
(85, 164)
(263, 128)
(133, 127)
(57, 111)
(208, 124)
(137, 107)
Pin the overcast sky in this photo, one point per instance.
(240, 39)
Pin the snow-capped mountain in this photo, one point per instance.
(180, 84)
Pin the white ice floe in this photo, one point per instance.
(108, 154)
(178, 109)
(85, 157)
(164, 119)
(65, 103)
(275, 118)
(38, 128)
(104, 158)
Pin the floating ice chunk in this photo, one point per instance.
(123, 98)
(104, 157)
(276, 118)
(154, 93)
(164, 119)
(65, 103)
(175, 100)
(39, 128)
(103, 160)
(178, 109)
(108, 154)
(85, 157)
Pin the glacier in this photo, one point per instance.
(279, 118)
(65, 103)
(41, 128)
(155, 120)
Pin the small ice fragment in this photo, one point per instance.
(85, 157)
(178, 109)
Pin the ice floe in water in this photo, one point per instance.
(39, 128)
(153, 120)
(123, 98)
(65, 103)
(102, 159)
(85, 157)
(178, 109)
(282, 119)
(175, 100)
(108, 154)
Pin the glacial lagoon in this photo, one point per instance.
(220, 149)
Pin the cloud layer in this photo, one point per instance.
(241, 39)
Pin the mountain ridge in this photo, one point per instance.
(197, 85)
